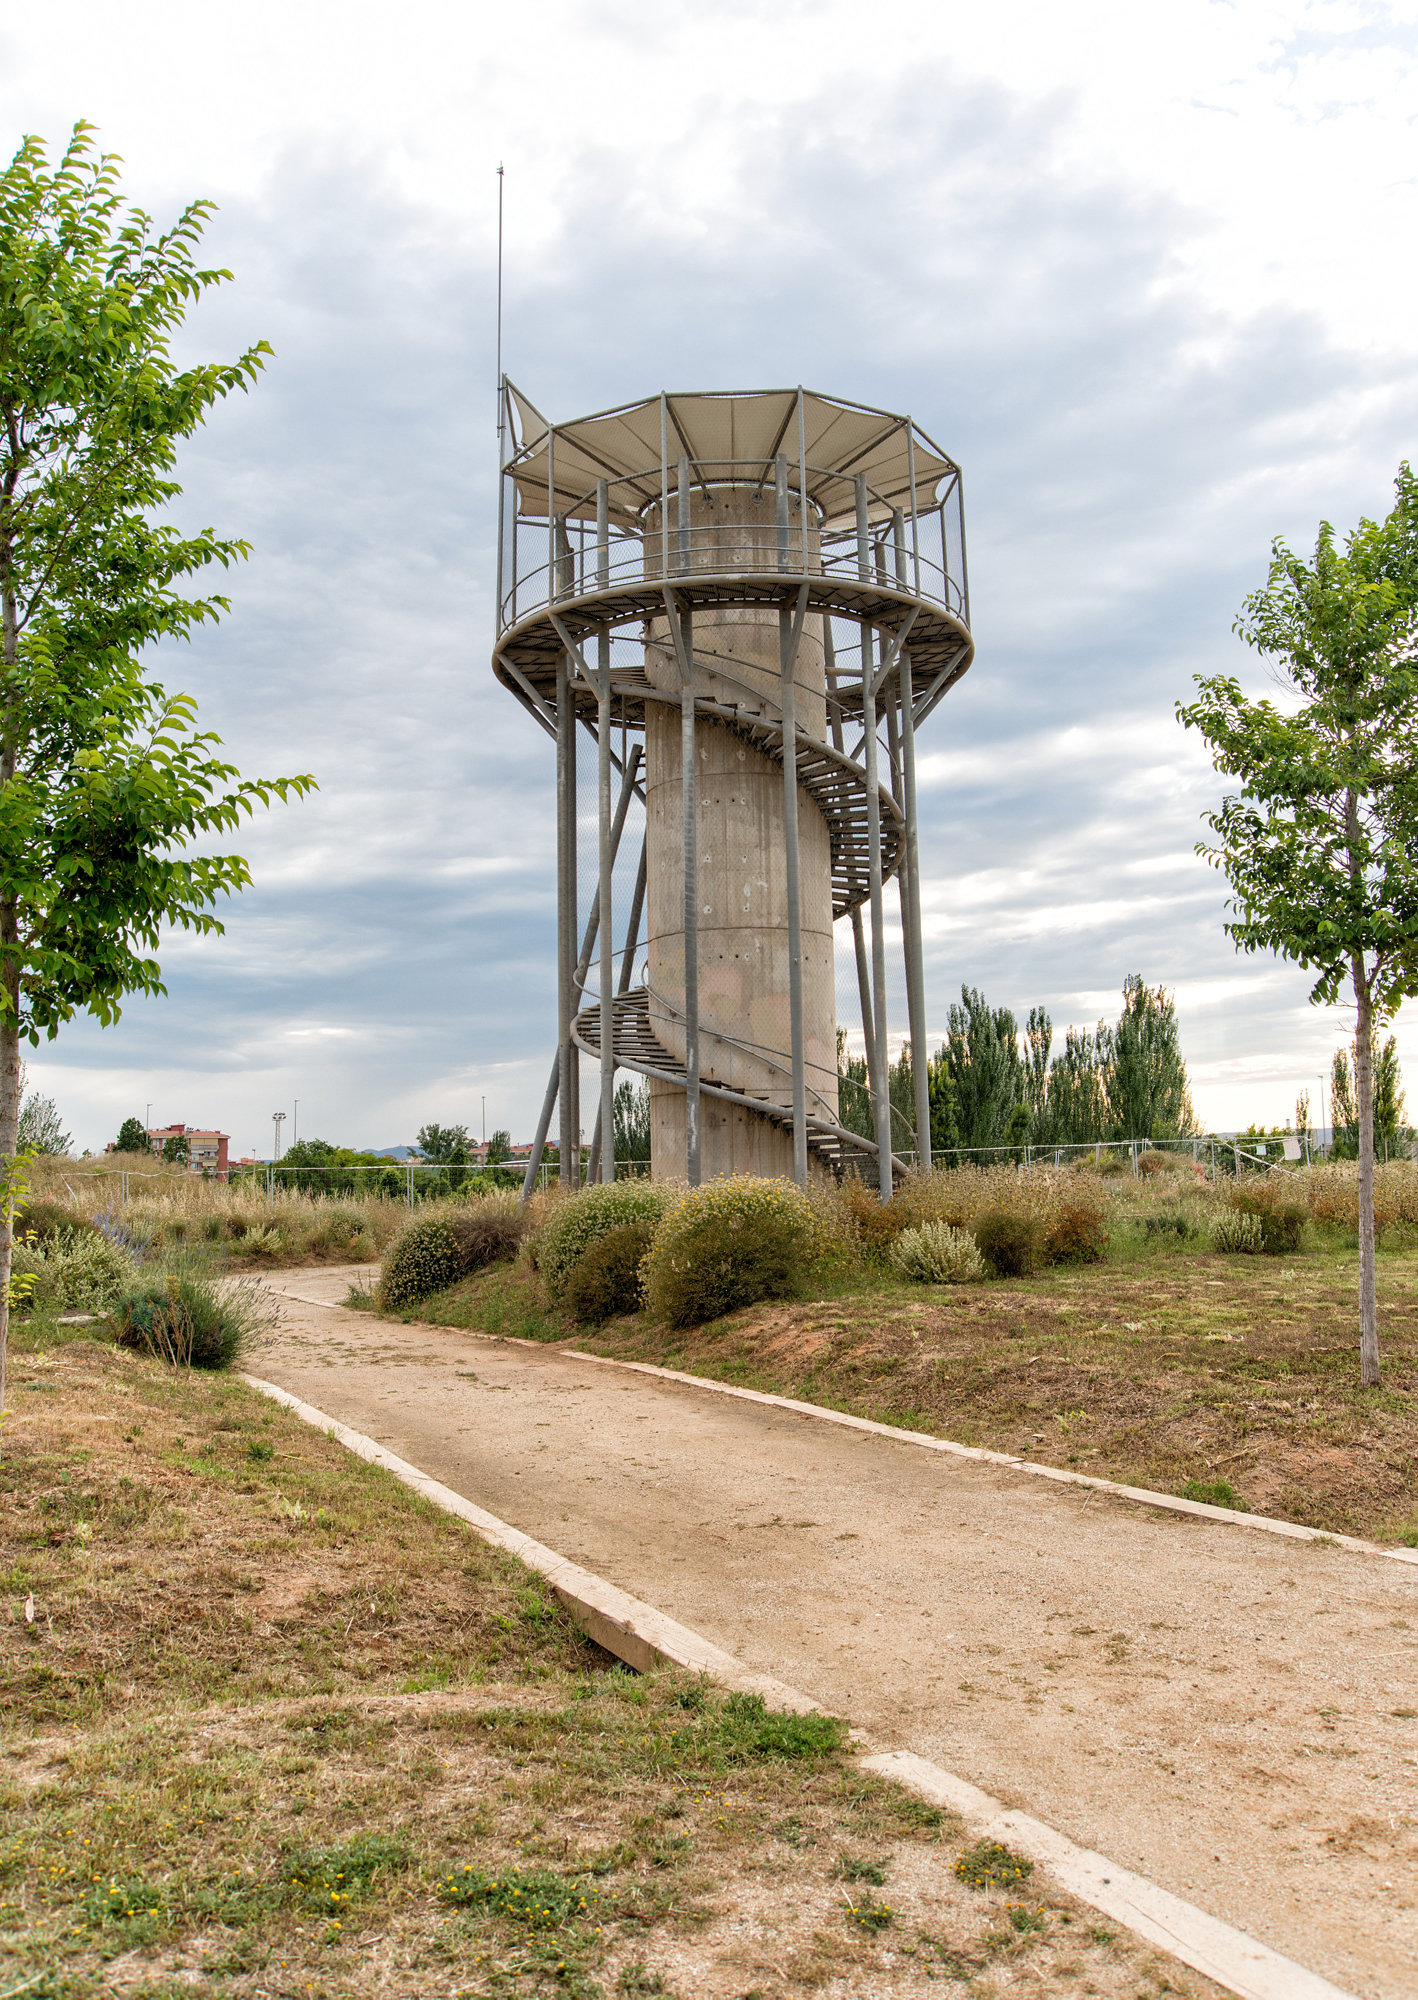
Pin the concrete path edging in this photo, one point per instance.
(1142, 1495)
(1230, 1957)
(642, 1636)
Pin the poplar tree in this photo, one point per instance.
(1320, 844)
(104, 776)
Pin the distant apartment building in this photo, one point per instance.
(206, 1151)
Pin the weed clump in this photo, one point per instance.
(1281, 1218)
(1236, 1233)
(604, 1282)
(328, 1878)
(727, 1245)
(1211, 1493)
(423, 1258)
(1011, 1241)
(535, 1898)
(581, 1220)
(936, 1254)
(874, 1224)
(749, 1728)
(990, 1865)
(1078, 1235)
(489, 1233)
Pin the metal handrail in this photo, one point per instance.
(529, 591)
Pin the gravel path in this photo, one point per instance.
(1233, 1715)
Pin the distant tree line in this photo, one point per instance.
(991, 1086)
(1393, 1136)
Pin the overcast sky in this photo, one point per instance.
(1146, 272)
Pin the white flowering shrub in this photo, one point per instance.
(936, 1254)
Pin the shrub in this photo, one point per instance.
(190, 1321)
(488, 1234)
(1011, 1242)
(75, 1270)
(936, 1254)
(1155, 1162)
(1237, 1233)
(605, 1280)
(1281, 1217)
(727, 1245)
(1078, 1235)
(582, 1219)
(1170, 1225)
(45, 1219)
(875, 1224)
(423, 1258)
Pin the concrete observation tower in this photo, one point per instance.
(749, 604)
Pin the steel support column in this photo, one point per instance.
(565, 908)
(915, 942)
(605, 1116)
(880, 1081)
(588, 942)
(894, 722)
(627, 967)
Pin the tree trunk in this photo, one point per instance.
(9, 960)
(1364, 1082)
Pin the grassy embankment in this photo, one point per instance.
(1234, 1378)
(274, 1726)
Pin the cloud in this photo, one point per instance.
(927, 244)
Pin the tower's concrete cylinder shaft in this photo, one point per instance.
(745, 1035)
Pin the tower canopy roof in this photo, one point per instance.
(725, 434)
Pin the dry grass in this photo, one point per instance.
(169, 1210)
(269, 1703)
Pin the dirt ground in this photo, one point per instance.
(1233, 1715)
(272, 1727)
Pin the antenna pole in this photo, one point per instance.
(501, 393)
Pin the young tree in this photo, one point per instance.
(40, 1129)
(104, 776)
(132, 1137)
(1343, 1109)
(981, 1058)
(1320, 845)
(1389, 1105)
(1077, 1100)
(177, 1150)
(1143, 1072)
(499, 1147)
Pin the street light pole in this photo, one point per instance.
(295, 1122)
